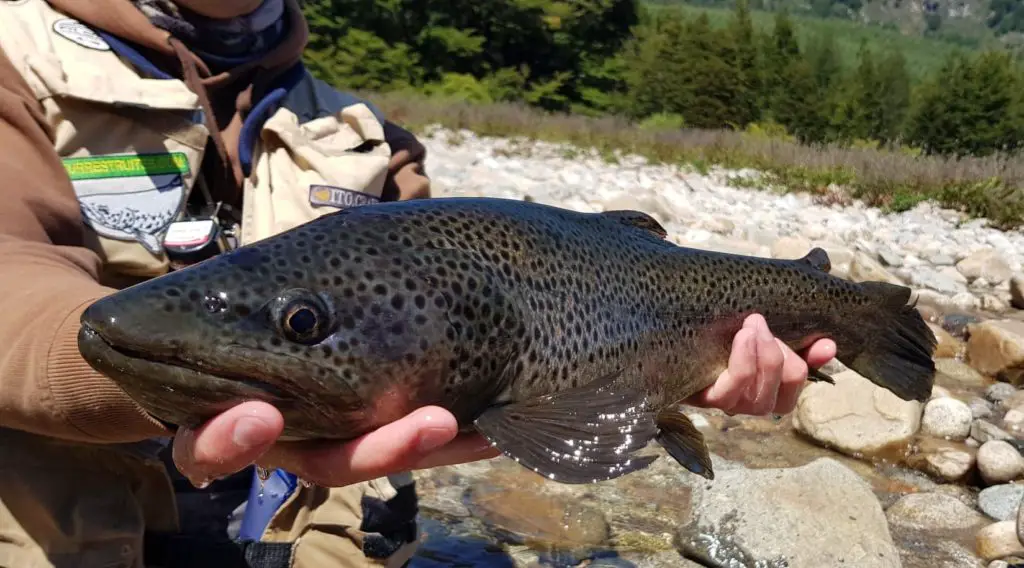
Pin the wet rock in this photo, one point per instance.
(999, 564)
(946, 463)
(999, 392)
(828, 514)
(1020, 522)
(947, 418)
(984, 431)
(549, 518)
(948, 346)
(996, 348)
(1017, 291)
(999, 540)
(960, 372)
(866, 269)
(939, 392)
(1013, 421)
(932, 511)
(854, 416)
(958, 324)
(999, 462)
(987, 264)
(980, 408)
(1001, 502)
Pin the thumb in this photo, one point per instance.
(227, 443)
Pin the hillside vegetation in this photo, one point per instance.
(646, 80)
(974, 23)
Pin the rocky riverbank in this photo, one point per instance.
(855, 476)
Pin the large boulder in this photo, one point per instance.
(819, 514)
(996, 348)
(855, 416)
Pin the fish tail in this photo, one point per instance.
(899, 345)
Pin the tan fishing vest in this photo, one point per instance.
(133, 145)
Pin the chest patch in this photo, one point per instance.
(130, 197)
(340, 197)
(79, 33)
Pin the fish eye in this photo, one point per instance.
(301, 317)
(302, 321)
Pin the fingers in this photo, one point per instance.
(792, 380)
(229, 442)
(820, 352)
(423, 437)
(764, 375)
(770, 359)
(725, 393)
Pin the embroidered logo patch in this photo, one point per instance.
(130, 197)
(339, 197)
(79, 33)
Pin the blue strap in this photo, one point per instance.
(264, 502)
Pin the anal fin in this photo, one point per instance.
(581, 435)
(684, 442)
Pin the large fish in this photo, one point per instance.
(567, 339)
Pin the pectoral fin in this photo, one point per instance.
(581, 435)
(684, 442)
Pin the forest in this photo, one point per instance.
(616, 57)
(680, 70)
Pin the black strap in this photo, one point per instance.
(164, 550)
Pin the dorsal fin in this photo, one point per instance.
(817, 259)
(638, 219)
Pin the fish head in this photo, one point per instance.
(280, 321)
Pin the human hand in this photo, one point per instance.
(248, 433)
(764, 375)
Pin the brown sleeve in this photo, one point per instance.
(406, 176)
(48, 278)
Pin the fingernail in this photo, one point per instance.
(249, 432)
(432, 439)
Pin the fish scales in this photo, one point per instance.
(568, 339)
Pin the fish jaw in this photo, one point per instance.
(167, 390)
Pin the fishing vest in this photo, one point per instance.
(132, 139)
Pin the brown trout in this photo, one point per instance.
(567, 339)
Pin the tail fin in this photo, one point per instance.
(898, 352)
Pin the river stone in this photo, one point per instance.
(996, 348)
(828, 514)
(999, 540)
(1001, 502)
(987, 264)
(980, 408)
(790, 247)
(1013, 421)
(947, 418)
(984, 431)
(999, 462)
(866, 269)
(1000, 392)
(959, 371)
(855, 416)
(949, 464)
(932, 511)
(1020, 522)
(948, 346)
(1017, 291)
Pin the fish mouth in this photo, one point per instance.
(170, 388)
